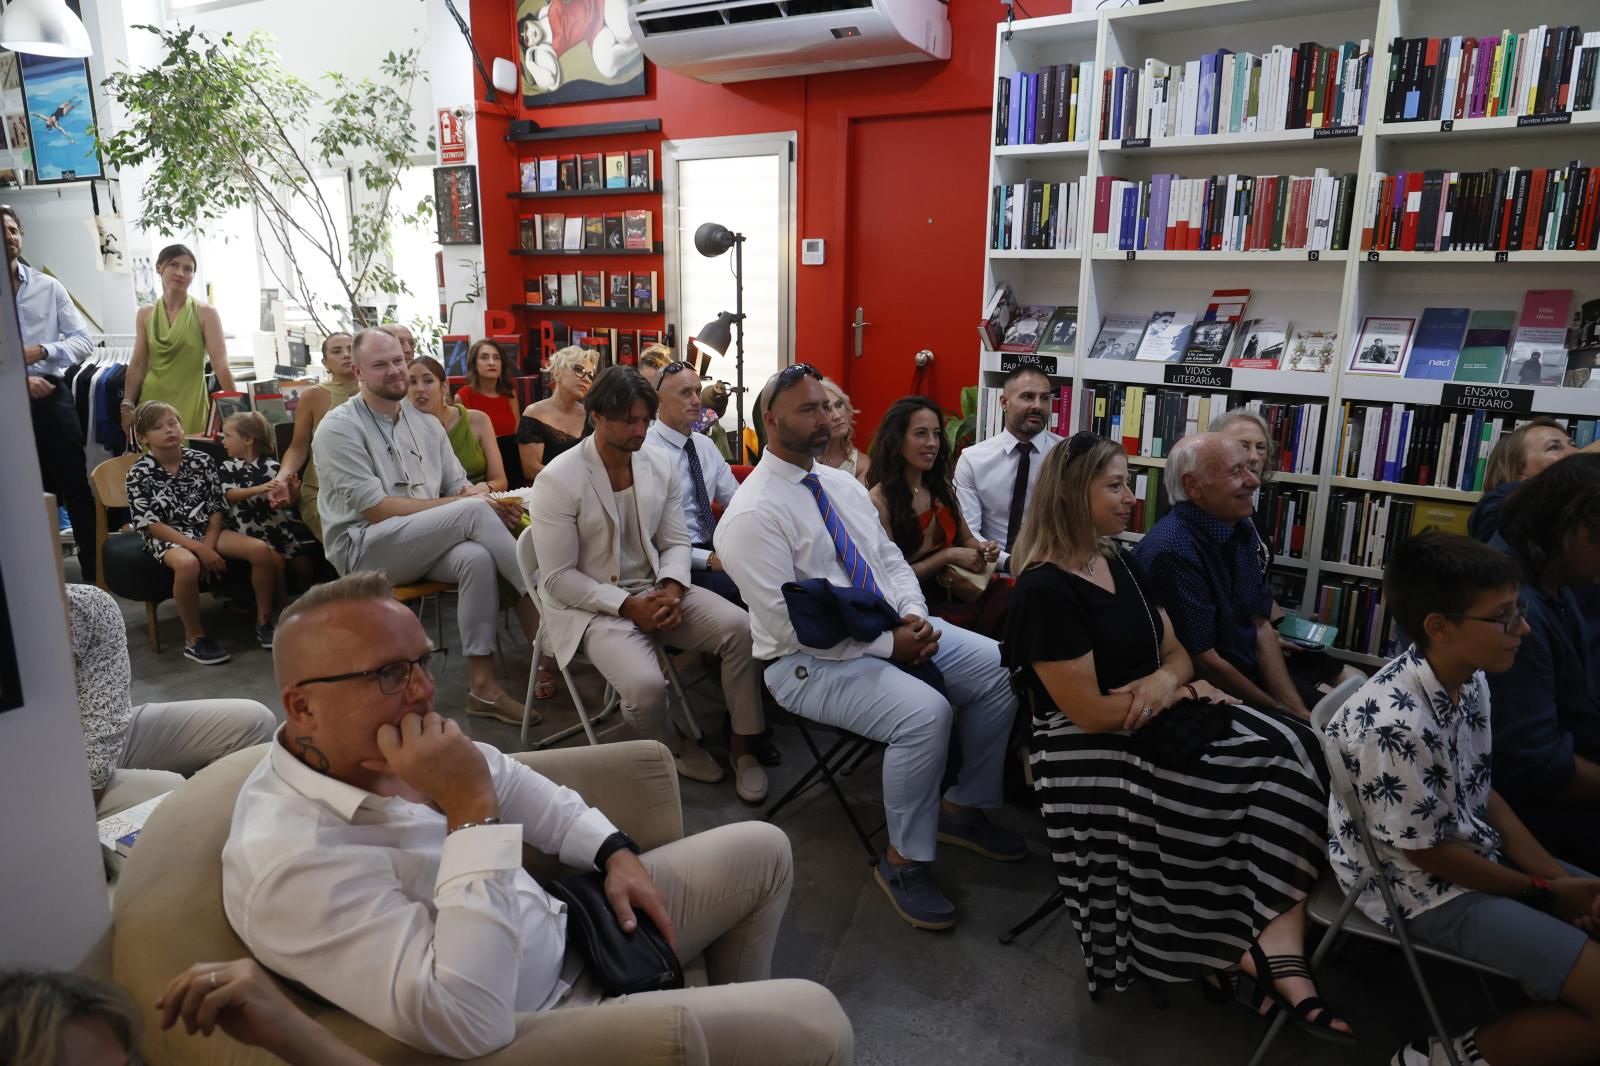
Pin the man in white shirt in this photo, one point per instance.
(795, 519)
(994, 476)
(375, 857)
(393, 497)
(701, 470)
(607, 525)
(53, 339)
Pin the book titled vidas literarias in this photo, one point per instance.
(1438, 343)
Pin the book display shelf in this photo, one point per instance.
(589, 217)
(1391, 452)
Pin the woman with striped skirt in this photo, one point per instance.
(1187, 830)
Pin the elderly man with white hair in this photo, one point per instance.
(1208, 567)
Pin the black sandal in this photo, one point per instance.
(1225, 987)
(1269, 969)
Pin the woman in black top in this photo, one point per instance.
(1186, 832)
(557, 422)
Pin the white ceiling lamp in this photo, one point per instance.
(44, 28)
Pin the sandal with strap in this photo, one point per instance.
(1225, 987)
(544, 683)
(1272, 968)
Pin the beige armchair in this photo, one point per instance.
(168, 914)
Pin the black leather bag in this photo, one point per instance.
(624, 963)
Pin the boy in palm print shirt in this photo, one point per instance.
(1465, 872)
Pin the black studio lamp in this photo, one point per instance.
(713, 339)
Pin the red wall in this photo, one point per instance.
(820, 107)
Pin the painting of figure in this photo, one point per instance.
(575, 50)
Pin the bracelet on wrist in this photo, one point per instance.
(472, 825)
(1194, 693)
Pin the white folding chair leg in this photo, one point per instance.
(686, 711)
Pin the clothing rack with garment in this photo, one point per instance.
(96, 385)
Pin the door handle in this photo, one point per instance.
(858, 325)
(923, 358)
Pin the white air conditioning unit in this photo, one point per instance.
(742, 40)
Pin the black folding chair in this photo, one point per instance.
(846, 754)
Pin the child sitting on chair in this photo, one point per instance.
(1465, 873)
(247, 477)
(175, 499)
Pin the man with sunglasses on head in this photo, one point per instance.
(796, 520)
(994, 476)
(393, 497)
(1208, 567)
(375, 857)
(607, 523)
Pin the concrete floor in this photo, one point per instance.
(920, 998)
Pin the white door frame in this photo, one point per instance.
(782, 145)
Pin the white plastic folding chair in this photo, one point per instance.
(528, 563)
(1337, 910)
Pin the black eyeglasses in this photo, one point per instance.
(1080, 443)
(791, 375)
(391, 677)
(1508, 623)
(669, 370)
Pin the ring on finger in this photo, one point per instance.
(1145, 712)
(213, 979)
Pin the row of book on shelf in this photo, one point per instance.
(1037, 214)
(1287, 87)
(637, 291)
(1363, 526)
(1149, 421)
(1547, 344)
(992, 415)
(1546, 70)
(1225, 213)
(589, 172)
(614, 231)
(1011, 327)
(1496, 210)
(1046, 106)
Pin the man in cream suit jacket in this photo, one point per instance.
(607, 521)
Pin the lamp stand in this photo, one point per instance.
(738, 341)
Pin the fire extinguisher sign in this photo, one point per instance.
(452, 135)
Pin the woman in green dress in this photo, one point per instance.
(471, 433)
(172, 338)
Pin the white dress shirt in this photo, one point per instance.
(436, 940)
(773, 533)
(985, 474)
(46, 317)
(719, 479)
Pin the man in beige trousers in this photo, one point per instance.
(614, 560)
(375, 857)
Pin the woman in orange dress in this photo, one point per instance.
(916, 502)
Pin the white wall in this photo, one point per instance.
(454, 82)
(54, 911)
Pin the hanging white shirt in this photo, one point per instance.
(719, 479)
(773, 532)
(436, 940)
(985, 474)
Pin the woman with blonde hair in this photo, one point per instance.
(557, 422)
(652, 361)
(488, 388)
(1528, 450)
(1250, 430)
(1183, 825)
(842, 453)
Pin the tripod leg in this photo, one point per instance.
(1057, 901)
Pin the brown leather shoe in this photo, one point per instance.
(502, 708)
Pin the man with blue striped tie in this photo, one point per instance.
(795, 519)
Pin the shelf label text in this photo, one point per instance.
(1328, 133)
(1199, 377)
(1135, 142)
(1557, 118)
(1486, 398)
(1009, 361)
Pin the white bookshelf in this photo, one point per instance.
(1332, 290)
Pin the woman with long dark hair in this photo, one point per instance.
(488, 388)
(910, 479)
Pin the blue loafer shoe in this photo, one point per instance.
(914, 895)
(973, 830)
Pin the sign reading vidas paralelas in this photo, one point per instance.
(1486, 398)
(1009, 361)
(1199, 377)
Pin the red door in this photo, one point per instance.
(915, 244)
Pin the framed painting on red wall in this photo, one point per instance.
(575, 50)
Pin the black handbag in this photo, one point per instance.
(624, 963)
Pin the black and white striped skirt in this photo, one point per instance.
(1171, 875)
